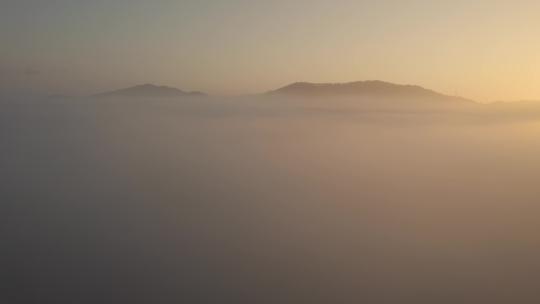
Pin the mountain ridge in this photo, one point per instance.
(149, 90)
(369, 88)
(373, 89)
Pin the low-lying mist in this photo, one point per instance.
(268, 199)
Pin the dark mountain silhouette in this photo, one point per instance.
(149, 90)
(372, 88)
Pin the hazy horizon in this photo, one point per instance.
(122, 182)
(15, 92)
(483, 50)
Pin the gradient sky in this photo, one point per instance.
(486, 50)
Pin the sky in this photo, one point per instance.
(485, 50)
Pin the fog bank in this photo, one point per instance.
(268, 200)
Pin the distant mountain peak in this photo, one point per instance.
(149, 86)
(369, 88)
(150, 90)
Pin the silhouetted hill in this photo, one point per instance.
(149, 90)
(372, 88)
